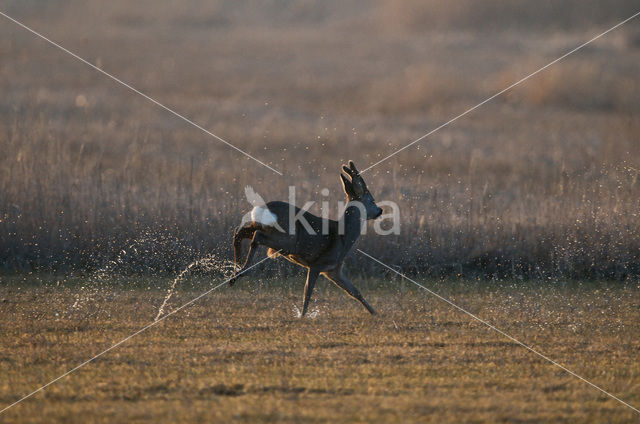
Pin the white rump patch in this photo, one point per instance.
(262, 215)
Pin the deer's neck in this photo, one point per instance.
(353, 221)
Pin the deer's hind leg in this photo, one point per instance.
(240, 234)
(259, 237)
(312, 276)
(337, 276)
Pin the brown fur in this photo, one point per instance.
(319, 253)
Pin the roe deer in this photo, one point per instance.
(304, 243)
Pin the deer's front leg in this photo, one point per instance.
(312, 276)
(343, 282)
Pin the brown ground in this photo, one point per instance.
(541, 183)
(241, 354)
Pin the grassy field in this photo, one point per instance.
(524, 212)
(542, 182)
(242, 354)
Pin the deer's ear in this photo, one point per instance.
(347, 186)
(353, 167)
(348, 171)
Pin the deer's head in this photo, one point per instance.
(357, 191)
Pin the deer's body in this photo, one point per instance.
(321, 252)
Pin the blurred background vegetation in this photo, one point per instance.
(540, 183)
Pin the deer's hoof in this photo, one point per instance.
(232, 281)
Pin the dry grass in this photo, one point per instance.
(241, 354)
(540, 183)
(539, 187)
